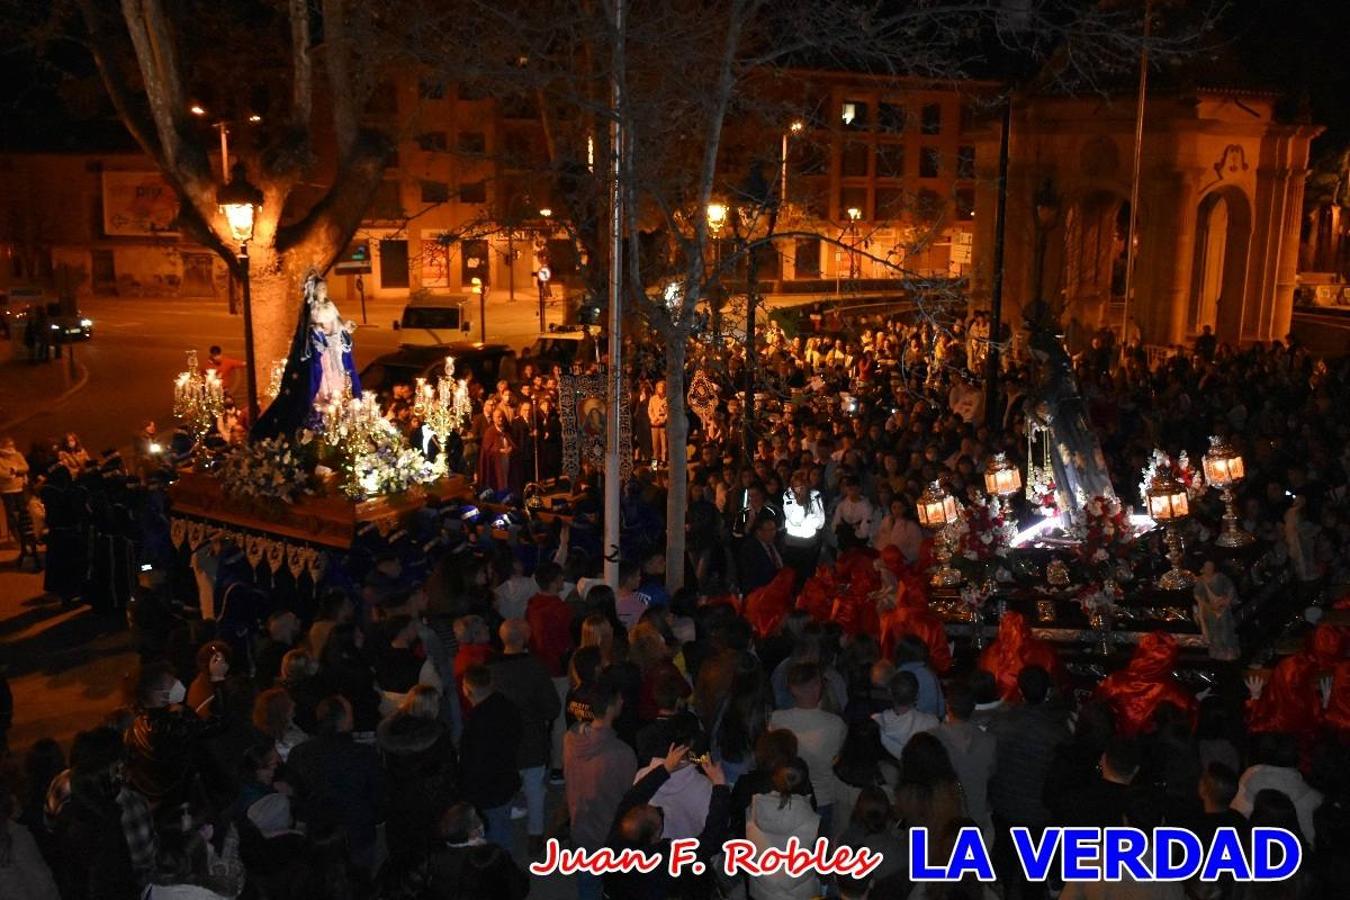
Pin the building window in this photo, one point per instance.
(930, 162)
(431, 89)
(473, 192)
(388, 203)
(965, 203)
(890, 160)
(852, 198)
(890, 204)
(808, 158)
(965, 162)
(806, 256)
(853, 115)
(393, 264)
(472, 143)
(854, 162)
(928, 205)
(930, 122)
(890, 118)
(435, 192)
(433, 141)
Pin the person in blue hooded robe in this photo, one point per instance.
(319, 366)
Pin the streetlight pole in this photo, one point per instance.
(795, 128)
(542, 277)
(992, 362)
(751, 357)
(614, 371)
(239, 201)
(249, 362)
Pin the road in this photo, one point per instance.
(139, 345)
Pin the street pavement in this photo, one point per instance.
(139, 345)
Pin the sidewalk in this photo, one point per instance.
(28, 388)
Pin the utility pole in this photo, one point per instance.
(1131, 240)
(992, 363)
(614, 372)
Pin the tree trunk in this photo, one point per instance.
(677, 437)
(275, 281)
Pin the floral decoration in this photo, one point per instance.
(1105, 538)
(270, 469)
(981, 537)
(1099, 599)
(1041, 491)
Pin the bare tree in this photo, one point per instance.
(156, 58)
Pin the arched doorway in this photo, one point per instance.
(1222, 240)
(1094, 256)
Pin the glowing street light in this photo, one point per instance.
(239, 201)
(717, 217)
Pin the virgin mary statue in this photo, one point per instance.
(319, 365)
(1059, 414)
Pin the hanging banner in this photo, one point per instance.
(583, 411)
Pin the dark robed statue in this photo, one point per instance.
(1058, 410)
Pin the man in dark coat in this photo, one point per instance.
(489, 750)
(758, 560)
(467, 867)
(340, 781)
(523, 679)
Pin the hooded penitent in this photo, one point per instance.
(1135, 692)
(1014, 649)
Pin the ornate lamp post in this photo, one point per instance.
(937, 509)
(238, 202)
(198, 397)
(854, 264)
(1223, 470)
(1002, 478)
(1168, 504)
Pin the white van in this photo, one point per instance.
(430, 321)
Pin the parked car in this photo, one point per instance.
(67, 323)
(407, 364)
(559, 346)
(429, 321)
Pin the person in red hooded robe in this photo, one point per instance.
(766, 607)
(1306, 690)
(1135, 692)
(855, 607)
(911, 615)
(1013, 650)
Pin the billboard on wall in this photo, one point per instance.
(138, 204)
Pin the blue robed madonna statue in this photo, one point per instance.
(318, 365)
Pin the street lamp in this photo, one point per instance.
(717, 217)
(239, 201)
(1223, 470)
(937, 509)
(796, 127)
(546, 213)
(1168, 504)
(854, 214)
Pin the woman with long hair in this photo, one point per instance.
(274, 718)
(773, 820)
(929, 793)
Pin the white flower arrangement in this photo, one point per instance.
(270, 469)
(1192, 479)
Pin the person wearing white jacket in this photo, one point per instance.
(803, 521)
(902, 721)
(773, 820)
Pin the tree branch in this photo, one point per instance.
(337, 58)
(336, 216)
(302, 70)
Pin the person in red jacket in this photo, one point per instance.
(1135, 692)
(550, 620)
(1014, 649)
(471, 634)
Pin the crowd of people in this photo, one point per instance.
(420, 720)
